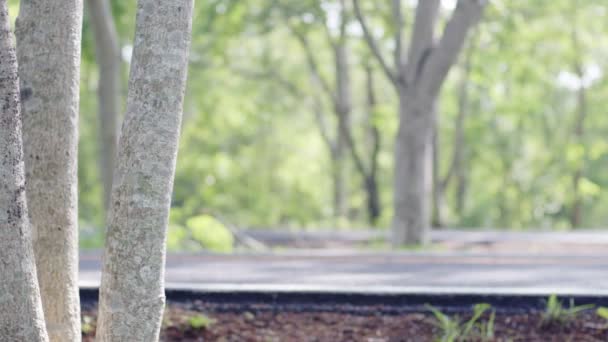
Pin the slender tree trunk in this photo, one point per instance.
(132, 285)
(21, 317)
(439, 184)
(49, 36)
(343, 107)
(579, 132)
(413, 173)
(462, 185)
(107, 51)
(339, 182)
(460, 147)
(579, 129)
(374, 206)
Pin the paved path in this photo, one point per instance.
(421, 272)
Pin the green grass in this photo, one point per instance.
(557, 314)
(455, 329)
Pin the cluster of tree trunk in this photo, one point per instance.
(39, 90)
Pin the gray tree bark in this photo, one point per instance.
(132, 285)
(49, 36)
(21, 317)
(417, 82)
(107, 52)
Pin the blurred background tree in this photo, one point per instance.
(521, 136)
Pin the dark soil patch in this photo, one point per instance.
(181, 323)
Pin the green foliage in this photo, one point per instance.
(602, 312)
(251, 150)
(453, 329)
(176, 238)
(556, 314)
(87, 325)
(200, 321)
(210, 233)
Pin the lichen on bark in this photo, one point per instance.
(21, 317)
(132, 286)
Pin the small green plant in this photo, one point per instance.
(453, 329)
(486, 331)
(602, 312)
(87, 325)
(557, 313)
(200, 321)
(210, 233)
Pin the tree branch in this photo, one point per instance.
(422, 37)
(398, 18)
(312, 62)
(392, 75)
(320, 118)
(290, 86)
(435, 70)
(353, 149)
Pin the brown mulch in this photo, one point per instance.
(269, 326)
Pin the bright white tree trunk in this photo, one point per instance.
(132, 296)
(48, 47)
(21, 317)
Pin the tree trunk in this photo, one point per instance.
(342, 109)
(107, 52)
(579, 132)
(339, 182)
(21, 316)
(439, 186)
(579, 129)
(49, 36)
(132, 285)
(374, 206)
(418, 83)
(373, 199)
(462, 185)
(460, 147)
(413, 173)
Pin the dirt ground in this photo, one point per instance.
(203, 323)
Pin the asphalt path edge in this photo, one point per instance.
(374, 301)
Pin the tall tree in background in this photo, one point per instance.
(456, 165)
(22, 318)
(417, 79)
(369, 169)
(340, 96)
(579, 122)
(132, 295)
(107, 53)
(49, 37)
